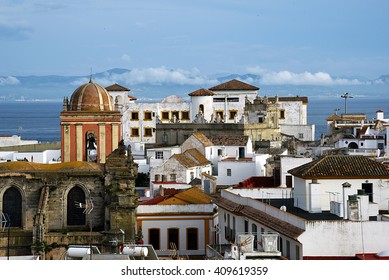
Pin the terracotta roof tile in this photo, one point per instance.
(116, 87)
(341, 166)
(194, 196)
(234, 85)
(267, 220)
(195, 155)
(201, 92)
(202, 138)
(334, 117)
(184, 160)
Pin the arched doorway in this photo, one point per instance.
(12, 206)
(75, 215)
(353, 145)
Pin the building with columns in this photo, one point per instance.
(90, 124)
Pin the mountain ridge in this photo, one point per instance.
(158, 83)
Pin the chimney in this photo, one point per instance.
(379, 115)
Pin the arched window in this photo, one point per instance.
(91, 147)
(12, 206)
(75, 215)
(201, 109)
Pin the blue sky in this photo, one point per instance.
(293, 42)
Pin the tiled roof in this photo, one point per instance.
(189, 196)
(267, 220)
(194, 196)
(116, 87)
(201, 92)
(197, 156)
(229, 140)
(208, 176)
(334, 117)
(341, 167)
(234, 85)
(184, 160)
(23, 166)
(202, 138)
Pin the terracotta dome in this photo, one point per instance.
(91, 97)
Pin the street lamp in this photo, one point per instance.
(345, 96)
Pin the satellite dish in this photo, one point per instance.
(283, 208)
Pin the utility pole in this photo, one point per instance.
(345, 96)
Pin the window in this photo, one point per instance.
(173, 238)
(301, 135)
(159, 155)
(148, 132)
(185, 115)
(219, 152)
(12, 206)
(201, 108)
(297, 252)
(148, 116)
(135, 132)
(246, 226)
(254, 230)
(156, 178)
(175, 115)
(218, 99)
(191, 175)
(173, 177)
(75, 216)
(282, 114)
(288, 249)
(229, 173)
(135, 116)
(233, 99)
(219, 114)
(192, 239)
(154, 238)
(165, 116)
(232, 114)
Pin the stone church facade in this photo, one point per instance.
(44, 208)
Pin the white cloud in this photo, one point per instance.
(305, 78)
(126, 58)
(153, 75)
(9, 81)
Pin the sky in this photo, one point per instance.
(286, 42)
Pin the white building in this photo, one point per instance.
(225, 101)
(179, 225)
(14, 140)
(47, 156)
(293, 117)
(338, 209)
(179, 169)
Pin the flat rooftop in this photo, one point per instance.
(288, 203)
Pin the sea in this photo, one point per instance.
(39, 120)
